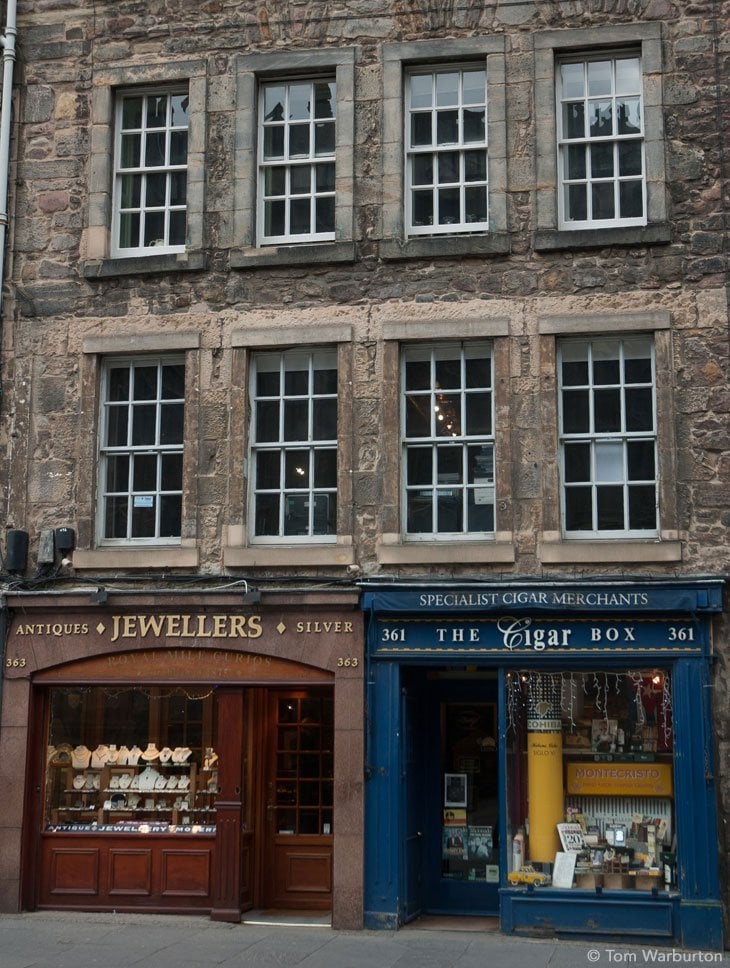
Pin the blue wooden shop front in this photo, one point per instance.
(455, 672)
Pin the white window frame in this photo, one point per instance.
(465, 350)
(144, 171)
(157, 449)
(588, 142)
(290, 162)
(436, 149)
(310, 444)
(622, 438)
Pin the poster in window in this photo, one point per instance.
(454, 789)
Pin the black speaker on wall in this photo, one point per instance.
(65, 539)
(16, 554)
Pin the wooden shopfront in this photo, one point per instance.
(184, 755)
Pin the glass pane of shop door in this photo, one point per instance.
(469, 789)
(304, 765)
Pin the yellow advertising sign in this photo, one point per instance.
(622, 779)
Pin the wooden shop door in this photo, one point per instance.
(298, 787)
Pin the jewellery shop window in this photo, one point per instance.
(590, 780)
(131, 760)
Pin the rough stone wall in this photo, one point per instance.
(50, 308)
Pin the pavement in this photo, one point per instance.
(78, 940)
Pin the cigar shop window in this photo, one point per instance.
(590, 779)
(136, 760)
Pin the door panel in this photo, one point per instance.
(299, 800)
(412, 755)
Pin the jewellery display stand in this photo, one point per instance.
(158, 796)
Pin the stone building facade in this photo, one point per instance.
(371, 273)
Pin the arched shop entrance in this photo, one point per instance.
(207, 771)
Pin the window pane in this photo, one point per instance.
(575, 161)
(178, 187)
(641, 460)
(578, 509)
(267, 469)
(448, 415)
(296, 514)
(421, 88)
(154, 228)
(447, 127)
(599, 78)
(128, 230)
(173, 381)
(275, 180)
(474, 87)
(171, 472)
(420, 129)
(422, 208)
(296, 414)
(324, 419)
(448, 167)
(480, 513)
(131, 151)
(418, 374)
(274, 96)
(132, 112)
(606, 368)
(171, 423)
(274, 142)
(475, 200)
(325, 214)
(419, 512)
(300, 102)
(267, 420)
(324, 138)
(179, 110)
(117, 472)
(449, 511)
(324, 99)
(600, 119)
(628, 114)
(478, 372)
(602, 160)
(143, 425)
(296, 374)
(475, 166)
(325, 379)
(573, 121)
(607, 410)
(144, 475)
(156, 111)
(298, 140)
(602, 201)
(178, 147)
(574, 371)
(325, 514)
(609, 462)
(115, 519)
(576, 202)
(299, 216)
(448, 373)
(629, 158)
(118, 383)
(155, 149)
(131, 191)
(116, 428)
(170, 515)
(610, 508)
(474, 125)
(447, 89)
(479, 413)
(419, 467)
(301, 179)
(325, 178)
(267, 514)
(575, 411)
(325, 468)
(642, 507)
(143, 521)
(637, 362)
(631, 199)
(449, 206)
(296, 468)
(274, 215)
(145, 383)
(449, 465)
(571, 76)
(422, 169)
(639, 409)
(628, 75)
(577, 462)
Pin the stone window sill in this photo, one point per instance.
(293, 255)
(546, 240)
(127, 559)
(145, 265)
(445, 246)
(609, 552)
(289, 556)
(501, 551)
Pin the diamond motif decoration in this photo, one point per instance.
(101, 628)
(281, 628)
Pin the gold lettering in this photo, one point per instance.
(147, 622)
(202, 634)
(254, 626)
(115, 628)
(300, 626)
(219, 626)
(129, 626)
(187, 633)
(238, 623)
(348, 626)
(173, 626)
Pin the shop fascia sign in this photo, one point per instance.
(527, 635)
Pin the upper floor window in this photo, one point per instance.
(448, 440)
(608, 437)
(294, 444)
(296, 153)
(446, 151)
(141, 450)
(601, 164)
(150, 173)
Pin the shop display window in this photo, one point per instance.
(590, 779)
(304, 764)
(137, 760)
